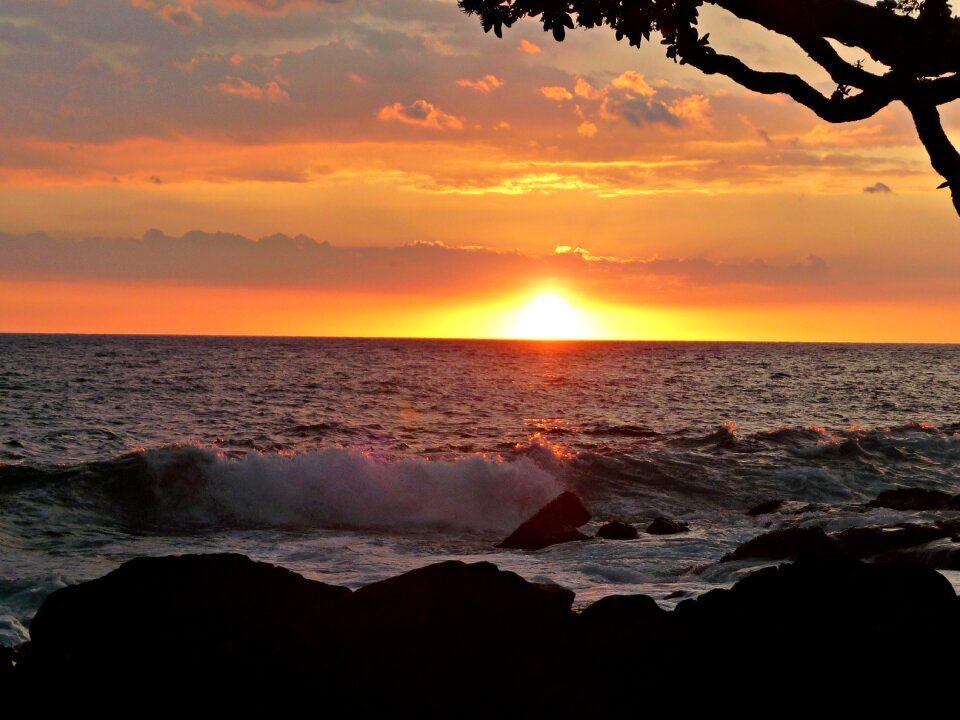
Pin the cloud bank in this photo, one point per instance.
(280, 261)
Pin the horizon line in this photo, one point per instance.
(415, 338)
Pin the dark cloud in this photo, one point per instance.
(641, 111)
(23, 37)
(878, 188)
(280, 261)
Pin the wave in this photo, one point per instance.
(333, 488)
(726, 470)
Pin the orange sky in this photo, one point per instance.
(439, 179)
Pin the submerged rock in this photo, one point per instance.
(556, 522)
(915, 499)
(765, 508)
(857, 542)
(618, 530)
(786, 543)
(864, 542)
(667, 526)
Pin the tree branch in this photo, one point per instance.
(919, 47)
(835, 109)
(840, 71)
(943, 155)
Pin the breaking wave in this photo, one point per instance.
(190, 486)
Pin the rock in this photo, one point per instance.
(449, 595)
(864, 542)
(786, 543)
(617, 613)
(667, 526)
(943, 555)
(7, 658)
(810, 508)
(556, 522)
(617, 530)
(449, 631)
(765, 508)
(192, 610)
(915, 499)
(825, 617)
(857, 542)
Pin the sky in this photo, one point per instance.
(385, 168)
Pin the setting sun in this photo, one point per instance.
(550, 317)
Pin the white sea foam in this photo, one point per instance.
(344, 488)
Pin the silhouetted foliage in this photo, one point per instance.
(917, 40)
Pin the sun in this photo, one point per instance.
(549, 317)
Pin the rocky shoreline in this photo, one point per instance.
(223, 631)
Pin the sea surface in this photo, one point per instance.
(353, 460)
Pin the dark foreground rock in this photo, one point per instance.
(225, 633)
(667, 526)
(556, 522)
(618, 530)
(193, 610)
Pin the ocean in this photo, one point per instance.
(351, 460)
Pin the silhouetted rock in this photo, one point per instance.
(617, 530)
(7, 656)
(556, 522)
(617, 613)
(450, 594)
(192, 610)
(765, 508)
(667, 526)
(227, 632)
(786, 543)
(442, 632)
(915, 499)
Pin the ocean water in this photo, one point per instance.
(353, 460)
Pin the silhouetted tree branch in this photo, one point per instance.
(917, 40)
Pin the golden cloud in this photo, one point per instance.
(556, 92)
(485, 85)
(529, 48)
(420, 113)
(633, 82)
(238, 87)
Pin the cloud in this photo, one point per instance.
(485, 85)
(556, 93)
(238, 87)
(179, 14)
(421, 114)
(692, 110)
(878, 188)
(586, 129)
(280, 261)
(272, 7)
(529, 48)
(630, 97)
(634, 82)
(585, 90)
